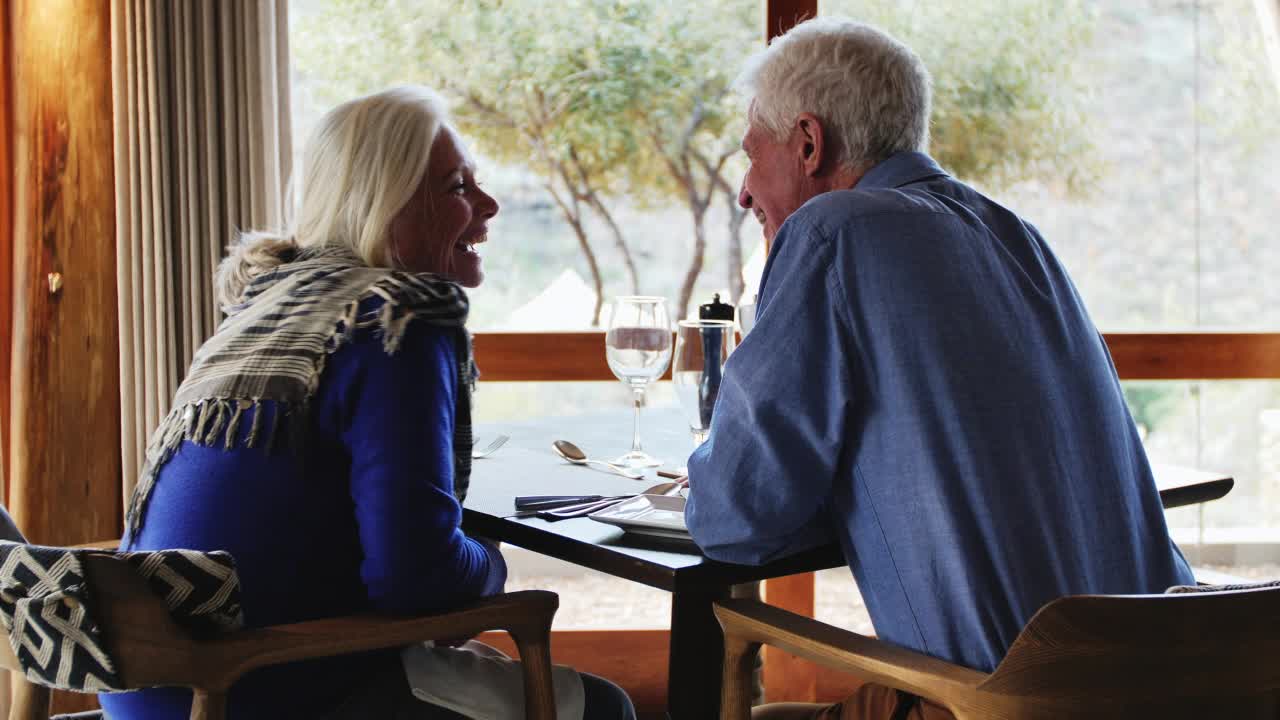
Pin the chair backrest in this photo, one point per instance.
(78, 619)
(145, 646)
(1138, 649)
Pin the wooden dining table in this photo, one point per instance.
(527, 465)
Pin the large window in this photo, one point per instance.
(1157, 118)
(607, 130)
(1138, 135)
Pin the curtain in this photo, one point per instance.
(202, 151)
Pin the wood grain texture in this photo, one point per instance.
(785, 675)
(1196, 355)
(65, 439)
(579, 356)
(634, 659)
(558, 356)
(150, 649)
(1172, 656)
(637, 660)
(6, 245)
(782, 15)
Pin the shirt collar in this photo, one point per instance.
(901, 169)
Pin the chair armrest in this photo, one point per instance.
(527, 613)
(865, 657)
(97, 545)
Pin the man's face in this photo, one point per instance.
(776, 184)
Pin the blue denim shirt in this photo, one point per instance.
(924, 386)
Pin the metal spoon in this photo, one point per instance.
(574, 454)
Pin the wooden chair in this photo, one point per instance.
(150, 649)
(1195, 655)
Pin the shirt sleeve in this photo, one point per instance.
(759, 486)
(395, 414)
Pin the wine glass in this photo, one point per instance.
(702, 347)
(747, 315)
(638, 347)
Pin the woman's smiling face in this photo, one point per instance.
(447, 216)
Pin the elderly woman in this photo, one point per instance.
(322, 435)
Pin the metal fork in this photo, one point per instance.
(491, 448)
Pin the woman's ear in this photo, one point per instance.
(812, 146)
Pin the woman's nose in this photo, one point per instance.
(488, 206)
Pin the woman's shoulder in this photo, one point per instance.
(417, 337)
(422, 293)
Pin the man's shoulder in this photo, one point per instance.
(875, 206)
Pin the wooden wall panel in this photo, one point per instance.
(65, 440)
(6, 276)
(787, 677)
(6, 243)
(634, 659)
(637, 660)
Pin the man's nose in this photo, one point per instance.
(744, 197)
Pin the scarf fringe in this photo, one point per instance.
(215, 421)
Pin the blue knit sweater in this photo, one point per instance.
(363, 519)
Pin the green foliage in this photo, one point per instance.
(1011, 93)
(536, 81)
(1247, 75)
(683, 60)
(1151, 404)
(532, 83)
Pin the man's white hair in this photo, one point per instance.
(871, 92)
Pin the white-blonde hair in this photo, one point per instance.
(871, 92)
(361, 165)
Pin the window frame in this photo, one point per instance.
(577, 356)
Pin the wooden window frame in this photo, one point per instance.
(578, 356)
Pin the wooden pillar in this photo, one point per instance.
(781, 15)
(6, 279)
(6, 244)
(64, 444)
(786, 677)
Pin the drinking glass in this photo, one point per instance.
(702, 347)
(638, 347)
(747, 315)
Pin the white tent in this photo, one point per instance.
(565, 304)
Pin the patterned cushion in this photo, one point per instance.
(1220, 588)
(46, 606)
(201, 589)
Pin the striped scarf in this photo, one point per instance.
(273, 346)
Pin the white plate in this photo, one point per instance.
(647, 513)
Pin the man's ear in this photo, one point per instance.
(812, 146)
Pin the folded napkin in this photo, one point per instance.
(482, 683)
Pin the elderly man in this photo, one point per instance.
(922, 385)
